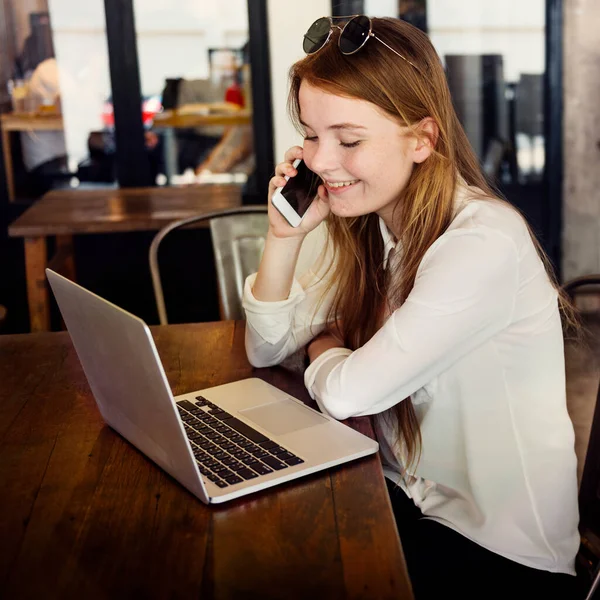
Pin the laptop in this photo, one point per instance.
(220, 443)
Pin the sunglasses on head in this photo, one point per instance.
(353, 36)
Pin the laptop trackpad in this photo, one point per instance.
(283, 417)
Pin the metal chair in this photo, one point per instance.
(238, 238)
(589, 499)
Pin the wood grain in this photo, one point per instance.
(117, 210)
(36, 258)
(30, 121)
(183, 120)
(83, 514)
(8, 164)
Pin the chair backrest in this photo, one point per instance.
(238, 243)
(238, 237)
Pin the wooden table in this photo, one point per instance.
(202, 115)
(83, 514)
(11, 122)
(64, 213)
(195, 115)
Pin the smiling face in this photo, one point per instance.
(364, 156)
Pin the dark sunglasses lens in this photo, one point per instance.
(316, 35)
(355, 34)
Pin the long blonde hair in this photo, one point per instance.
(408, 93)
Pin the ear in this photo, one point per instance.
(427, 133)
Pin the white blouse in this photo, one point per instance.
(478, 347)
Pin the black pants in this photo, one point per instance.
(442, 563)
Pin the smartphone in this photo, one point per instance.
(293, 199)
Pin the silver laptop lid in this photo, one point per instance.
(133, 396)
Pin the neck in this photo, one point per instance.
(387, 215)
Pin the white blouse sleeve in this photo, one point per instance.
(274, 330)
(464, 294)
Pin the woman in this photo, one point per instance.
(428, 307)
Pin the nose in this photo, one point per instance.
(321, 159)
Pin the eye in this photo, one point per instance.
(311, 138)
(350, 145)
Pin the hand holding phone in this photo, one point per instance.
(295, 197)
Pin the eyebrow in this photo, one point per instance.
(338, 125)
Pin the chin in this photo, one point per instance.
(346, 211)
(344, 214)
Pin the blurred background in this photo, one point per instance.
(91, 99)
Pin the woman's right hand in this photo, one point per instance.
(316, 213)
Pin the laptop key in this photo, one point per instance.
(285, 455)
(293, 461)
(233, 479)
(221, 415)
(247, 473)
(274, 463)
(203, 429)
(259, 453)
(186, 404)
(250, 460)
(237, 466)
(201, 400)
(246, 430)
(277, 450)
(221, 483)
(261, 469)
(268, 445)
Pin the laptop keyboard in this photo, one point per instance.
(227, 450)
